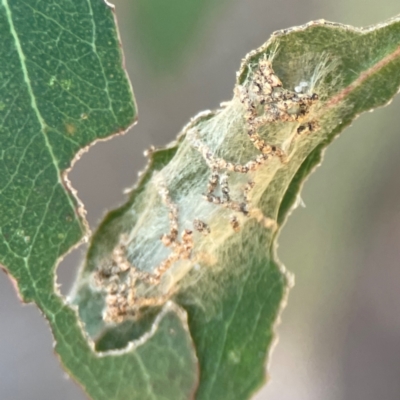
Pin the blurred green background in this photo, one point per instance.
(340, 333)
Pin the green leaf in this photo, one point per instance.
(63, 87)
(232, 286)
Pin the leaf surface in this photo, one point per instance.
(235, 300)
(63, 87)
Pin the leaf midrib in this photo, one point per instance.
(34, 105)
(42, 123)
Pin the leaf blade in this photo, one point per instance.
(365, 59)
(63, 87)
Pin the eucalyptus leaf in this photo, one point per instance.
(63, 87)
(234, 288)
(199, 323)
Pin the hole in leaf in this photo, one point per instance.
(102, 174)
